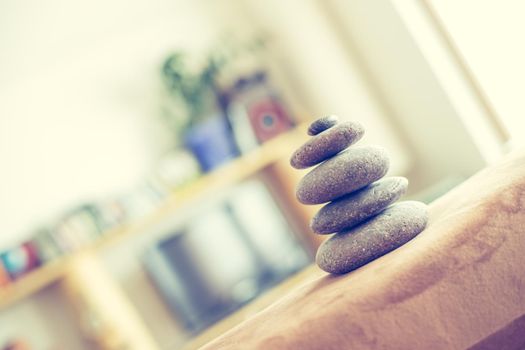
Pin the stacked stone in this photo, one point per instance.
(362, 211)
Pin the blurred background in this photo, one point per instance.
(146, 198)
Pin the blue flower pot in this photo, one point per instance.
(211, 142)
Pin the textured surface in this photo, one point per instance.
(385, 232)
(344, 173)
(322, 124)
(358, 206)
(326, 144)
(459, 284)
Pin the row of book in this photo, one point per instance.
(76, 229)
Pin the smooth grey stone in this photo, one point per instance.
(346, 251)
(322, 124)
(327, 144)
(342, 174)
(356, 207)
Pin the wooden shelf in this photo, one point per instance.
(278, 148)
(32, 282)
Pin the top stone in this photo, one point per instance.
(326, 144)
(322, 124)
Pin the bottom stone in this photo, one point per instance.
(347, 250)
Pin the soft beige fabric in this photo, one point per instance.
(459, 284)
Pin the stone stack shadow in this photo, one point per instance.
(361, 211)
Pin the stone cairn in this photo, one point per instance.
(362, 214)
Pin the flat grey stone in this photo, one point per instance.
(356, 207)
(322, 124)
(347, 250)
(342, 174)
(327, 144)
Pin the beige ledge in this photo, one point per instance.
(460, 284)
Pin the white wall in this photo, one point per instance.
(492, 46)
(79, 93)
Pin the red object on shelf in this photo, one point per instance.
(19, 260)
(32, 254)
(268, 118)
(4, 276)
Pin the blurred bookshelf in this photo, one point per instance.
(265, 155)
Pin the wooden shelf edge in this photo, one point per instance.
(32, 282)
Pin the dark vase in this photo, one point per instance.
(212, 142)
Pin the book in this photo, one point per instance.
(4, 276)
(46, 246)
(82, 224)
(242, 129)
(109, 213)
(19, 260)
(67, 240)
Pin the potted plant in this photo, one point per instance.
(200, 117)
(200, 113)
